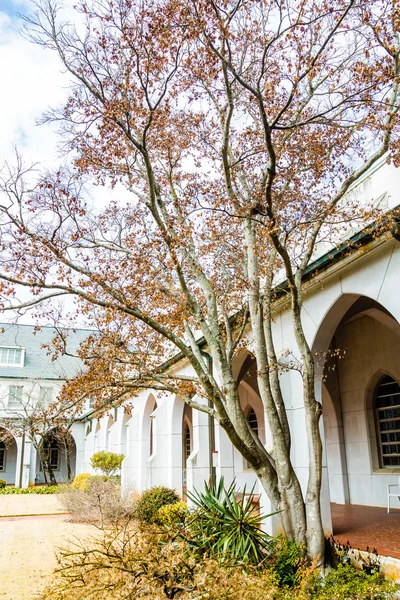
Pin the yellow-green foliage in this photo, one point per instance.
(172, 515)
(43, 489)
(152, 500)
(109, 463)
(80, 482)
(3, 483)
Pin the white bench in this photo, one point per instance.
(393, 494)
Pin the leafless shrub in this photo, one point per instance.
(101, 503)
(147, 562)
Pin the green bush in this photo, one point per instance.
(228, 529)
(152, 500)
(45, 489)
(3, 483)
(172, 515)
(108, 463)
(80, 482)
(347, 582)
(288, 559)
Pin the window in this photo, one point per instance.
(15, 396)
(51, 455)
(12, 357)
(387, 405)
(152, 426)
(45, 396)
(187, 441)
(252, 420)
(2, 456)
(54, 454)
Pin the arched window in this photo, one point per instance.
(152, 417)
(187, 441)
(2, 456)
(252, 420)
(387, 406)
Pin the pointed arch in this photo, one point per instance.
(357, 336)
(148, 427)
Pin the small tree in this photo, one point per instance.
(108, 463)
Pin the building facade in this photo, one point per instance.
(31, 377)
(352, 302)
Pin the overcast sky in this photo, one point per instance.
(31, 82)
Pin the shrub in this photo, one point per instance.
(108, 463)
(3, 483)
(172, 515)
(45, 489)
(288, 559)
(347, 582)
(152, 500)
(100, 502)
(80, 482)
(226, 528)
(126, 563)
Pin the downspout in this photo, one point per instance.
(211, 431)
(21, 466)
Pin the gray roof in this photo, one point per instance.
(38, 363)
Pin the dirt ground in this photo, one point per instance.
(30, 504)
(27, 547)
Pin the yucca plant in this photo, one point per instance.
(226, 528)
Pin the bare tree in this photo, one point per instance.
(237, 128)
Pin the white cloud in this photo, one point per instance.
(32, 81)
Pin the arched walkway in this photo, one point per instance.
(8, 457)
(356, 346)
(58, 452)
(187, 443)
(148, 440)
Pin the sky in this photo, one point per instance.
(32, 81)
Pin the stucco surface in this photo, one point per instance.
(28, 549)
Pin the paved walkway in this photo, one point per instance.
(28, 548)
(30, 504)
(368, 526)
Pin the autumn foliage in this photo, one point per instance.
(230, 134)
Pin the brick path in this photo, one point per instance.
(366, 526)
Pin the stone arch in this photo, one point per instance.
(124, 430)
(365, 331)
(148, 427)
(250, 400)
(187, 442)
(61, 456)
(88, 429)
(110, 423)
(239, 363)
(8, 456)
(97, 431)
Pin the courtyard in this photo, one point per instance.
(368, 526)
(28, 544)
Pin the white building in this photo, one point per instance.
(30, 375)
(353, 303)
